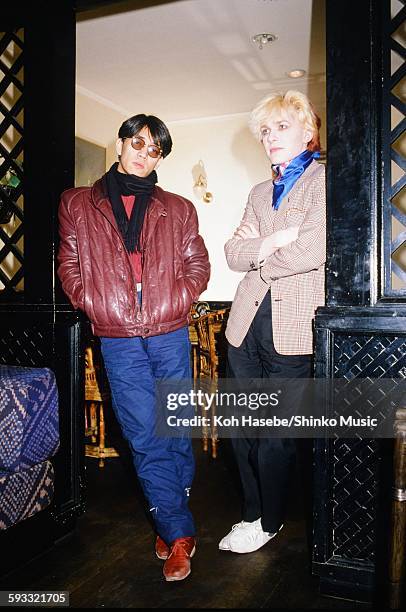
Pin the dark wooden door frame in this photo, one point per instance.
(361, 332)
(38, 328)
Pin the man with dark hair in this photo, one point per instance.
(132, 258)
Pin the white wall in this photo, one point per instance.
(234, 162)
(95, 121)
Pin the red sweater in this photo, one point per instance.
(135, 257)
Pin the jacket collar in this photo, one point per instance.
(307, 174)
(311, 168)
(101, 200)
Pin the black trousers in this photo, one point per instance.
(266, 465)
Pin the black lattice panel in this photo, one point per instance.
(394, 141)
(371, 373)
(11, 161)
(354, 477)
(26, 347)
(365, 356)
(354, 470)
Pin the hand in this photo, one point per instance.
(275, 241)
(283, 237)
(246, 231)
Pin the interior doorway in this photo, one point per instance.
(194, 64)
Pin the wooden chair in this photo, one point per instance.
(207, 375)
(197, 310)
(95, 397)
(207, 326)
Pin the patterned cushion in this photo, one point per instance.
(25, 493)
(29, 426)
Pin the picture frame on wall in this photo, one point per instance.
(90, 162)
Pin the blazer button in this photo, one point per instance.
(123, 277)
(256, 303)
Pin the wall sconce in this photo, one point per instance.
(200, 183)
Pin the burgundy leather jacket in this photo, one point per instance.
(96, 272)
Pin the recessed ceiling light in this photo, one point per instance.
(295, 74)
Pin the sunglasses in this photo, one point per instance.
(138, 143)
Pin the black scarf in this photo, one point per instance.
(119, 184)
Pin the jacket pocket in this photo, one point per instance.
(294, 216)
(184, 299)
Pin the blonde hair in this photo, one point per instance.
(294, 101)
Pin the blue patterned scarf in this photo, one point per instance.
(284, 183)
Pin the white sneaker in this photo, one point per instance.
(250, 537)
(224, 543)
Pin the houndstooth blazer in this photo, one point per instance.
(294, 273)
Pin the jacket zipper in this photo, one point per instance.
(163, 213)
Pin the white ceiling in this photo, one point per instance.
(194, 58)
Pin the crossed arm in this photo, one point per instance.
(247, 249)
(270, 243)
(294, 250)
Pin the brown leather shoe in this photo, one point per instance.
(177, 566)
(162, 550)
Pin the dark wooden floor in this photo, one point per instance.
(109, 561)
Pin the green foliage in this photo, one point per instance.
(10, 179)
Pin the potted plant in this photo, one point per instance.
(8, 184)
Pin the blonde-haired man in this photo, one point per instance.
(280, 244)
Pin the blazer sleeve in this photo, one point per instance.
(195, 256)
(308, 251)
(242, 255)
(68, 257)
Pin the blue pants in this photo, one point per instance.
(165, 466)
